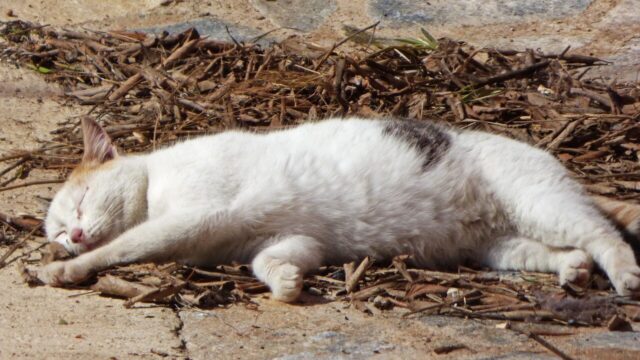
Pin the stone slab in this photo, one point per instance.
(610, 340)
(335, 331)
(471, 12)
(625, 64)
(212, 27)
(625, 12)
(305, 15)
(47, 323)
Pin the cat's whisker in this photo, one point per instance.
(106, 212)
(107, 219)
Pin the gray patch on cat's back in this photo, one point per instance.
(429, 139)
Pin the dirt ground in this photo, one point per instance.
(54, 323)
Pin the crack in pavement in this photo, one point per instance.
(177, 331)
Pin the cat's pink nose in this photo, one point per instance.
(77, 235)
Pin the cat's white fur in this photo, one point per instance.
(329, 193)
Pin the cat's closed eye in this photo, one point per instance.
(61, 237)
(78, 210)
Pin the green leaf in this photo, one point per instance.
(427, 42)
(41, 69)
(430, 38)
(44, 70)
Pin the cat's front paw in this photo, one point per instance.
(59, 273)
(285, 282)
(627, 282)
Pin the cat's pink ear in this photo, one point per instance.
(97, 144)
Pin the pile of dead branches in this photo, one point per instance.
(153, 89)
(149, 90)
(530, 297)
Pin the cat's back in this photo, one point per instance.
(347, 143)
(345, 138)
(336, 162)
(330, 150)
(355, 149)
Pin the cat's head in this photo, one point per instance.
(104, 196)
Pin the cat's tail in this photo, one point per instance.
(626, 216)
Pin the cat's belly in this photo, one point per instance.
(437, 224)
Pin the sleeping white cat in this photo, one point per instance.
(328, 193)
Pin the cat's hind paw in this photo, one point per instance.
(628, 282)
(285, 282)
(576, 268)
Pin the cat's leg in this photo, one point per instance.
(519, 253)
(562, 217)
(170, 237)
(283, 264)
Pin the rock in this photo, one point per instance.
(546, 44)
(617, 323)
(283, 331)
(625, 63)
(304, 15)
(212, 27)
(337, 343)
(626, 12)
(609, 340)
(471, 12)
(477, 332)
(518, 355)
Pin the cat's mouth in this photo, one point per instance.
(95, 244)
(82, 247)
(63, 239)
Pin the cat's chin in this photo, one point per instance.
(89, 246)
